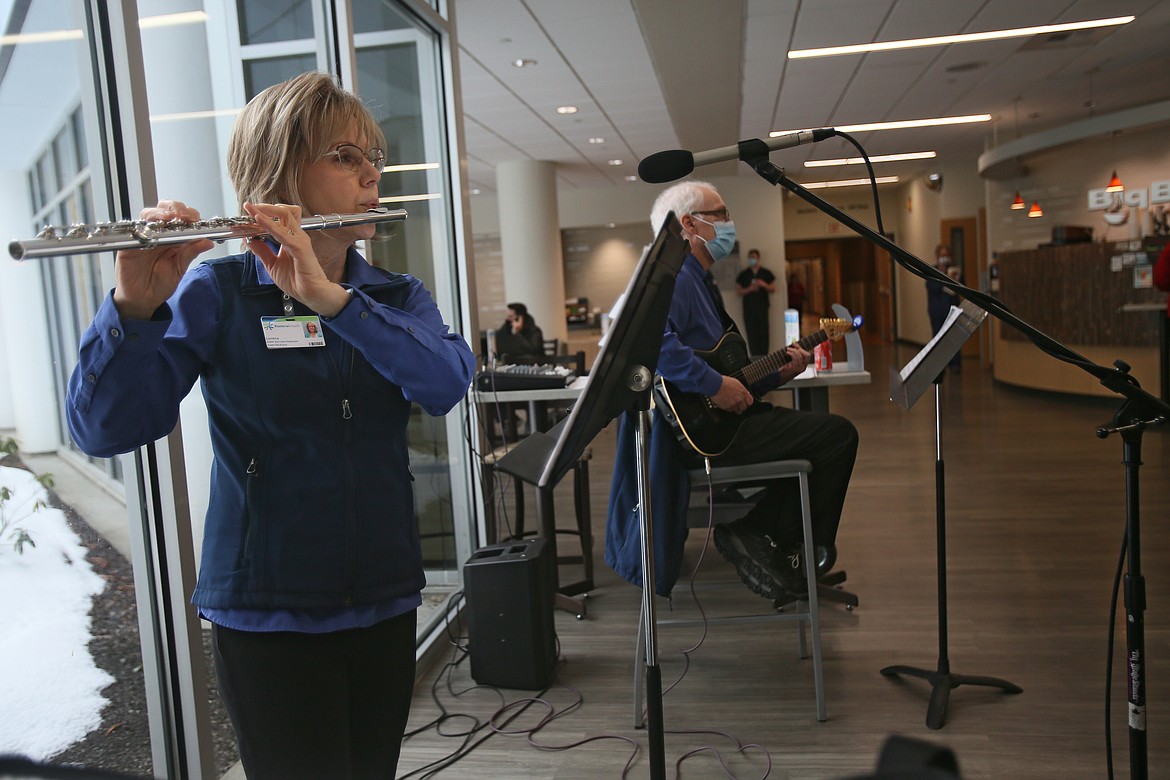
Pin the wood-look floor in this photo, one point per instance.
(1035, 518)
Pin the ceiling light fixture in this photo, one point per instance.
(631, 177)
(898, 125)
(615, 162)
(946, 40)
(169, 20)
(817, 185)
(183, 115)
(523, 62)
(1035, 211)
(1115, 184)
(566, 109)
(596, 140)
(432, 166)
(145, 23)
(1018, 203)
(876, 158)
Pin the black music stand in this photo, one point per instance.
(1139, 411)
(906, 387)
(620, 381)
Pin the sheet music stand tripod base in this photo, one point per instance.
(905, 388)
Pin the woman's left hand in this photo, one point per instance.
(294, 268)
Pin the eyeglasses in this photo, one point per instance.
(351, 157)
(720, 215)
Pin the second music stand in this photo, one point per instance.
(906, 387)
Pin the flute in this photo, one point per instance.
(146, 234)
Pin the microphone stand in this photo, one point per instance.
(640, 380)
(1139, 411)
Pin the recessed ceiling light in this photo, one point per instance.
(596, 140)
(876, 158)
(631, 177)
(523, 62)
(817, 185)
(935, 122)
(944, 40)
(475, 190)
(615, 162)
(566, 109)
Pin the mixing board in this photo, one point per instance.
(523, 377)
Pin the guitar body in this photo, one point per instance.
(699, 423)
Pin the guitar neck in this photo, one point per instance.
(755, 371)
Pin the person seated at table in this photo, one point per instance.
(519, 339)
(765, 545)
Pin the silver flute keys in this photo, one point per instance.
(143, 234)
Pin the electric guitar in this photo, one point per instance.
(699, 423)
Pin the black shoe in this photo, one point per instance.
(752, 555)
(790, 571)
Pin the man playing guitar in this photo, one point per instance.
(765, 544)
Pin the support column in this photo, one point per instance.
(530, 241)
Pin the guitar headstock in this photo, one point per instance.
(836, 328)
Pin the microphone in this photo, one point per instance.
(676, 163)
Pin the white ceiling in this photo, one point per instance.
(649, 75)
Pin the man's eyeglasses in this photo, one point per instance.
(351, 157)
(720, 215)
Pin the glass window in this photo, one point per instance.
(261, 74)
(274, 20)
(376, 15)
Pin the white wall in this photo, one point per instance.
(27, 397)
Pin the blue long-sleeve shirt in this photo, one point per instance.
(311, 502)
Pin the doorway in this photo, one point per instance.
(849, 271)
(962, 236)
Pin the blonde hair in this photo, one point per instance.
(286, 128)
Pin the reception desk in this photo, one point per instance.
(1090, 298)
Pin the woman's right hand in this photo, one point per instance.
(145, 278)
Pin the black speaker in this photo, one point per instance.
(509, 592)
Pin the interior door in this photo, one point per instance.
(962, 236)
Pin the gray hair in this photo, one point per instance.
(681, 198)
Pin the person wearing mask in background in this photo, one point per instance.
(765, 544)
(311, 584)
(755, 284)
(940, 298)
(519, 339)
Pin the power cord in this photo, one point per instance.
(1109, 653)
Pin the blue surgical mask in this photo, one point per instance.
(720, 246)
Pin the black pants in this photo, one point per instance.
(318, 706)
(755, 323)
(829, 441)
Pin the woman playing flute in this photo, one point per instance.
(311, 569)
